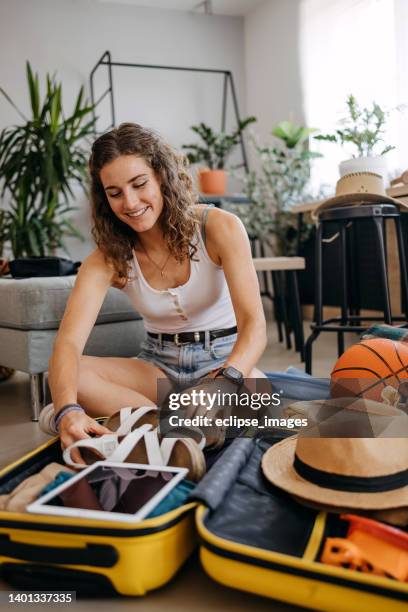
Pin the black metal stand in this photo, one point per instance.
(228, 84)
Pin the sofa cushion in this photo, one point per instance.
(39, 303)
(29, 351)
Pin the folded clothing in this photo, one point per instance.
(382, 330)
(176, 498)
(296, 384)
(59, 479)
(28, 490)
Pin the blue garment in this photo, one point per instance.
(295, 384)
(176, 498)
(59, 479)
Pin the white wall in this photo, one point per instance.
(273, 82)
(69, 36)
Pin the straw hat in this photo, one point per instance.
(358, 188)
(368, 473)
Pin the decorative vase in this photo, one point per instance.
(212, 182)
(377, 165)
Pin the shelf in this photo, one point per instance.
(219, 199)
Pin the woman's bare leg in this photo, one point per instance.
(107, 384)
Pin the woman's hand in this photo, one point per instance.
(77, 426)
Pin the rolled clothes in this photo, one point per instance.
(28, 490)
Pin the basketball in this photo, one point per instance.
(366, 368)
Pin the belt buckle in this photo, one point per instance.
(176, 340)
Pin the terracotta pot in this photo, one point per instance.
(4, 267)
(213, 182)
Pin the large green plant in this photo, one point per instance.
(280, 183)
(40, 160)
(215, 146)
(363, 127)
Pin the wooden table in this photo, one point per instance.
(279, 263)
(282, 267)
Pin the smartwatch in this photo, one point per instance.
(232, 374)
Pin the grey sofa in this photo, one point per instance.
(30, 314)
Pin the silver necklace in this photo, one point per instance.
(159, 268)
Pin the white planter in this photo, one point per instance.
(377, 165)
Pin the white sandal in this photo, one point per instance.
(100, 448)
(178, 452)
(126, 419)
(142, 446)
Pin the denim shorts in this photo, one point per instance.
(185, 364)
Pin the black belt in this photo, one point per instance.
(190, 337)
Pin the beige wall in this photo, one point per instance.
(273, 84)
(69, 36)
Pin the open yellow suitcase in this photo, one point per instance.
(88, 556)
(254, 537)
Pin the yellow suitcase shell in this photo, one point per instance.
(70, 552)
(301, 580)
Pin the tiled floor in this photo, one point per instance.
(191, 589)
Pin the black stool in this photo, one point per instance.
(350, 320)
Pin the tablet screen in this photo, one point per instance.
(113, 489)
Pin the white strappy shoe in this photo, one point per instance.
(126, 419)
(142, 445)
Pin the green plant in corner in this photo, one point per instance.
(278, 185)
(363, 127)
(40, 160)
(216, 146)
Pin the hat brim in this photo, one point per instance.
(356, 198)
(277, 466)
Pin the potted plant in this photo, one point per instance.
(40, 160)
(279, 184)
(364, 128)
(213, 151)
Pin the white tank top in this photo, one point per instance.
(202, 303)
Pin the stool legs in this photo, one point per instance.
(37, 389)
(378, 222)
(403, 267)
(297, 313)
(318, 311)
(284, 309)
(344, 288)
(276, 306)
(308, 350)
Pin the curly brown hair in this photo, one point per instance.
(178, 221)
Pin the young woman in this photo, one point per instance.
(186, 268)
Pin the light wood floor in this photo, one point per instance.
(191, 589)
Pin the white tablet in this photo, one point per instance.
(111, 492)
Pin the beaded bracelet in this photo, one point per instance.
(65, 410)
